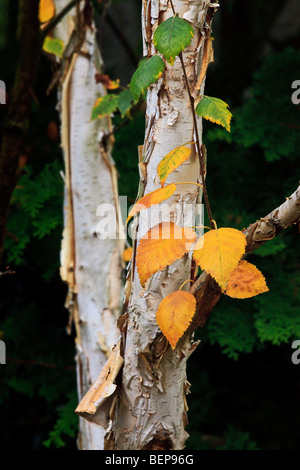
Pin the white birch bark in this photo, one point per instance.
(151, 412)
(91, 266)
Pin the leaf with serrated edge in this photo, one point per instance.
(147, 73)
(175, 314)
(172, 37)
(155, 197)
(54, 46)
(172, 161)
(246, 281)
(160, 247)
(215, 110)
(105, 106)
(218, 252)
(46, 10)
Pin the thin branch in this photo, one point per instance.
(38, 363)
(207, 291)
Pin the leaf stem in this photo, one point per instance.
(188, 280)
(190, 182)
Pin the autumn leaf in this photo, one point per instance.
(160, 247)
(175, 314)
(127, 254)
(215, 110)
(218, 252)
(155, 197)
(107, 82)
(54, 46)
(172, 161)
(104, 106)
(46, 10)
(246, 281)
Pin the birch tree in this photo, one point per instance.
(90, 263)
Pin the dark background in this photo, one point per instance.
(245, 391)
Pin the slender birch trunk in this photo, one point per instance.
(90, 266)
(151, 411)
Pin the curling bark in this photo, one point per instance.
(91, 266)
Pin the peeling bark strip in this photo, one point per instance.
(90, 266)
(151, 411)
(16, 123)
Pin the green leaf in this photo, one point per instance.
(105, 106)
(147, 73)
(125, 101)
(54, 46)
(172, 37)
(215, 110)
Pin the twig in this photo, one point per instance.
(38, 363)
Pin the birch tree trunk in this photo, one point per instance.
(151, 411)
(91, 266)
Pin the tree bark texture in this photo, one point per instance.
(151, 411)
(91, 266)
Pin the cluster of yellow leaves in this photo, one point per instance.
(219, 252)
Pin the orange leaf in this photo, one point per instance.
(246, 281)
(160, 247)
(46, 10)
(155, 197)
(127, 254)
(218, 252)
(172, 161)
(174, 315)
(107, 82)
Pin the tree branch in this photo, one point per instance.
(207, 291)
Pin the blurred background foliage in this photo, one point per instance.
(245, 391)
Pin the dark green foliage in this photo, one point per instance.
(66, 425)
(36, 209)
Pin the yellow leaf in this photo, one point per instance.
(155, 197)
(175, 314)
(160, 247)
(172, 161)
(246, 281)
(218, 252)
(127, 254)
(46, 10)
